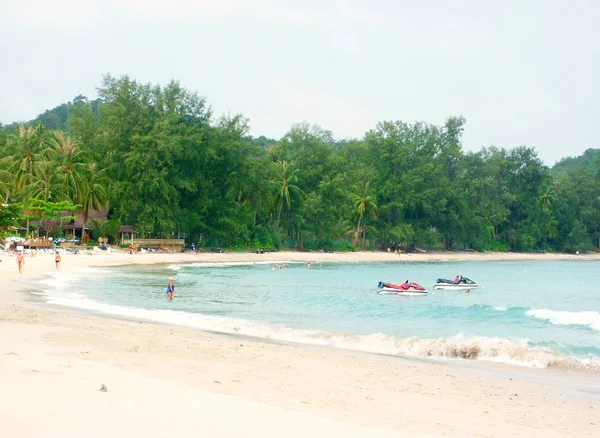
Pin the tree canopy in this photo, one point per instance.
(156, 157)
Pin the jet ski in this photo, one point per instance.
(445, 284)
(400, 289)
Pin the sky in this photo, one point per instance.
(520, 72)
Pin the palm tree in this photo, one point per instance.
(548, 196)
(364, 203)
(25, 155)
(551, 229)
(94, 192)
(70, 166)
(24, 160)
(5, 185)
(285, 185)
(46, 184)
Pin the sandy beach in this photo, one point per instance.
(164, 380)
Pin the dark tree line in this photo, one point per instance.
(158, 159)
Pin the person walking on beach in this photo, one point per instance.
(57, 261)
(171, 289)
(20, 261)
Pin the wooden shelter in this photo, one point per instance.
(75, 231)
(129, 236)
(40, 242)
(162, 244)
(127, 233)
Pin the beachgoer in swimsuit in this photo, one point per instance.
(20, 261)
(171, 289)
(57, 261)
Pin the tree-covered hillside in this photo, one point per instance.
(160, 160)
(58, 118)
(588, 162)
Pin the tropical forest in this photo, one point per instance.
(158, 159)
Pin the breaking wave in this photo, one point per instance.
(589, 319)
(510, 351)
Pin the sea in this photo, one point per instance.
(542, 314)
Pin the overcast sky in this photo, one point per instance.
(521, 72)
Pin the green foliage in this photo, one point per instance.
(9, 216)
(340, 246)
(496, 246)
(579, 239)
(588, 162)
(427, 238)
(267, 238)
(40, 209)
(105, 228)
(155, 157)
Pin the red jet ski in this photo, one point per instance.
(404, 289)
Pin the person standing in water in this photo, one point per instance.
(171, 289)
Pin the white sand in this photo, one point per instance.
(170, 381)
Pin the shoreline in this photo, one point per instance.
(120, 258)
(371, 395)
(34, 295)
(355, 393)
(43, 263)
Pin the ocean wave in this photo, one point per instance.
(60, 283)
(588, 318)
(177, 267)
(474, 310)
(510, 351)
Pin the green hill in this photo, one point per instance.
(57, 117)
(588, 162)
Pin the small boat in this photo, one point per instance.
(399, 289)
(445, 284)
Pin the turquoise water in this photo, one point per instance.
(531, 313)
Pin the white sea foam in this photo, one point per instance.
(58, 284)
(229, 264)
(511, 351)
(500, 308)
(589, 318)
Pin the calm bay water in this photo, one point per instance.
(530, 313)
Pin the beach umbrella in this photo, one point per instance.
(15, 239)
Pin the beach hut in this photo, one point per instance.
(127, 232)
(77, 232)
